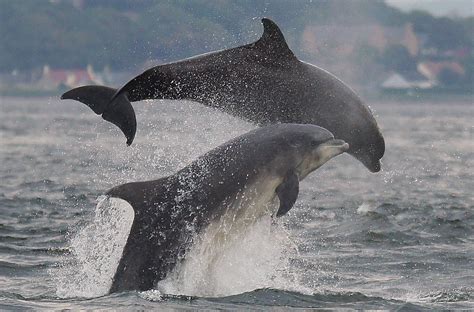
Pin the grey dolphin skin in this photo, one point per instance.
(238, 179)
(262, 82)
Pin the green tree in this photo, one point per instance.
(449, 78)
(443, 33)
(396, 57)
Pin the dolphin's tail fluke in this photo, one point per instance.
(119, 111)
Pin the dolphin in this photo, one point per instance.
(262, 82)
(237, 181)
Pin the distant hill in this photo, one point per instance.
(360, 41)
(124, 34)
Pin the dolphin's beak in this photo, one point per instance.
(375, 166)
(324, 152)
(330, 149)
(335, 145)
(371, 163)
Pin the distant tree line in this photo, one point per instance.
(124, 34)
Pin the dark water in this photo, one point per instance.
(399, 239)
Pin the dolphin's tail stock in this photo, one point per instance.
(157, 237)
(119, 111)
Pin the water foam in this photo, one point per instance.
(256, 257)
(95, 251)
(220, 263)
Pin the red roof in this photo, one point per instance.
(63, 75)
(72, 77)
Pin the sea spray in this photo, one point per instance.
(95, 251)
(256, 257)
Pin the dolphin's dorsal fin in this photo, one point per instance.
(273, 42)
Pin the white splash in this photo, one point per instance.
(95, 251)
(366, 208)
(246, 249)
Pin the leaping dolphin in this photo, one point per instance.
(262, 82)
(236, 183)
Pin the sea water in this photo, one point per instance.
(401, 238)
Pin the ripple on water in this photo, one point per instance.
(397, 240)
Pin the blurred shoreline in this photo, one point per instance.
(408, 98)
(372, 46)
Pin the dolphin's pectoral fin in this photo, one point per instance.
(287, 193)
(119, 111)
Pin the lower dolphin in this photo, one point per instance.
(239, 180)
(262, 82)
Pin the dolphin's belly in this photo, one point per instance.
(248, 207)
(256, 200)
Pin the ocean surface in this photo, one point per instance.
(401, 239)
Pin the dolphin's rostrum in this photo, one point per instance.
(239, 181)
(262, 82)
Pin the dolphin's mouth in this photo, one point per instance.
(375, 166)
(336, 143)
(324, 152)
(371, 163)
(330, 149)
